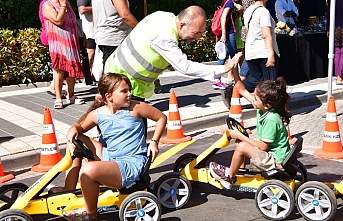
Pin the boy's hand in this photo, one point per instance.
(235, 133)
(153, 149)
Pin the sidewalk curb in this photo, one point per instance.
(28, 159)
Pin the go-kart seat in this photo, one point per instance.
(290, 168)
(144, 180)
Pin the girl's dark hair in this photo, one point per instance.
(107, 84)
(275, 94)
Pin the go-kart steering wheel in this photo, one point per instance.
(233, 123)
(81, 150)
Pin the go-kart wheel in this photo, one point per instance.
(15, 214)
(173, 190)
(275, 200)
(316, 201)
(182, 161)
(9, 194)
(234, 123)
(140, 205)
(301, 177)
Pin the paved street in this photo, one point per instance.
(210, 203)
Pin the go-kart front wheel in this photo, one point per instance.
(173, 190)
(140, 205)
(15, 214)
(275, 200)
(9, 194)
(316, 201)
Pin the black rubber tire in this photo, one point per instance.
(15, 214)
(267, 199)
(10, 192)
(301, 176)
(325, 200)
(168, 197)
(148, 206)
(183, 160)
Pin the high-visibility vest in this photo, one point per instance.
(135, 58)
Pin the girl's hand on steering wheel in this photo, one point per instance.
(153, 149)
(72, 132)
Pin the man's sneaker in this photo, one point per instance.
(221, 173)
(219, 85)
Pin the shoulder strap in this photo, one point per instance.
(252, 14)
(225, 3)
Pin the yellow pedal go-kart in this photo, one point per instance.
(22, 203)
(274, 189)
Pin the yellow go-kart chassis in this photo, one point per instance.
(274, 188)
(133, 202)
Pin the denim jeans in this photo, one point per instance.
(231, 48)
(259, 72)
(244, 71)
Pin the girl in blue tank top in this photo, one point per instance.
(122, 150)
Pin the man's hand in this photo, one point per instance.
(232, 63)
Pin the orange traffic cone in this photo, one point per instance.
(332, 144)
(50, 153)
(291, 139)
(236, 107)
(175, 133)
(4, 177)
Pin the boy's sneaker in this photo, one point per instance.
(221, 174)
(219, 85)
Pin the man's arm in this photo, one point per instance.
(171, 52)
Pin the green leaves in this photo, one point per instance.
(23, 59)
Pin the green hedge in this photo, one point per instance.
(23, 59)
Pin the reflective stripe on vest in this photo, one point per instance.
(140, 59)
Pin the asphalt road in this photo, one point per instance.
(210, 203)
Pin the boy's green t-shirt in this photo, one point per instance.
(271, 129)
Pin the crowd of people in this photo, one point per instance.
(136, 49)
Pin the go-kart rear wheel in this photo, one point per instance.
(15, 214)
(9, 194)
(140, 205)
(173, 190)
(301, 177)
(316, 201)
(182, 161)
(275, 200)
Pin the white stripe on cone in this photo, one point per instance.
(331, 117)
(235, 101)
(332, 137)
(174, 125)
(48, 129)
(173, 108)
(47, 149)
(237, 117)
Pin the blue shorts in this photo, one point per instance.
(130, 166)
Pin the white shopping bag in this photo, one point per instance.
(97, 64)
